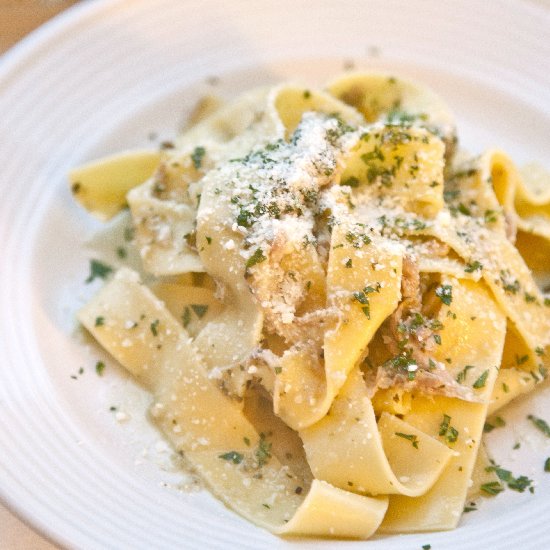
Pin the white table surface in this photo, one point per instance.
(14, 533)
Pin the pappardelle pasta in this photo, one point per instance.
(334, 298)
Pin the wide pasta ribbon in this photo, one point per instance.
(210, 429)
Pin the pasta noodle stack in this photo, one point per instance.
(339, 299)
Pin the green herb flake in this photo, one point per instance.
(121, 252)
(361, 296)
(412, 438)
(473, 266)
(480, 382)
(447, 431)
(426, 546)
(263, 452)
(540, 424)
(463, 209)
(461, 376)
(186, 317)
(437, 339)
(232, 456)
(521, 359)
(99, 321)
(547, 465)
(490, 216)
(352, 181)
(154, 327)
(498, 422)
(197, 155)
(444, 426)
(98, 270)
(278, 370)
(349, 263)
(199, 309)
(99, 368)
(445, 294)
(492, 488)
(246, 441)
(256, 258)
(518, 484)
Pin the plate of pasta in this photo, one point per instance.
(282, 291)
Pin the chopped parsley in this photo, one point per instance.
(509, 284)
(490, 216)
(357, 240)
(197, 155)
(445, 294)
(461, 377)
(480, 382)
(186, 317)
(232, 456)
(412, 438)
(256, 258)
(99, 368)
(98, 270)
(154, 327)
(352, 181)
(447, 431)
(362, 297)
(492, 488)
(498, 422)
(540, 424)
(521, 359)
(518, 484)
(199, 309)
(473, 266)
(263, 452)
(99, 321)
(547, 465)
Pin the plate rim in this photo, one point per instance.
(28, 51)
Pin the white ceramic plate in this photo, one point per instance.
(105, 76)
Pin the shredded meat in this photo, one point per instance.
(437, 382)
(409, 338)
(410, 304)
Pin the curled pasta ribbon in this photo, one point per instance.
(210, 429)
(396, 101)
(362, 297)
(473, 349)
(388, 457)
(164, 208)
